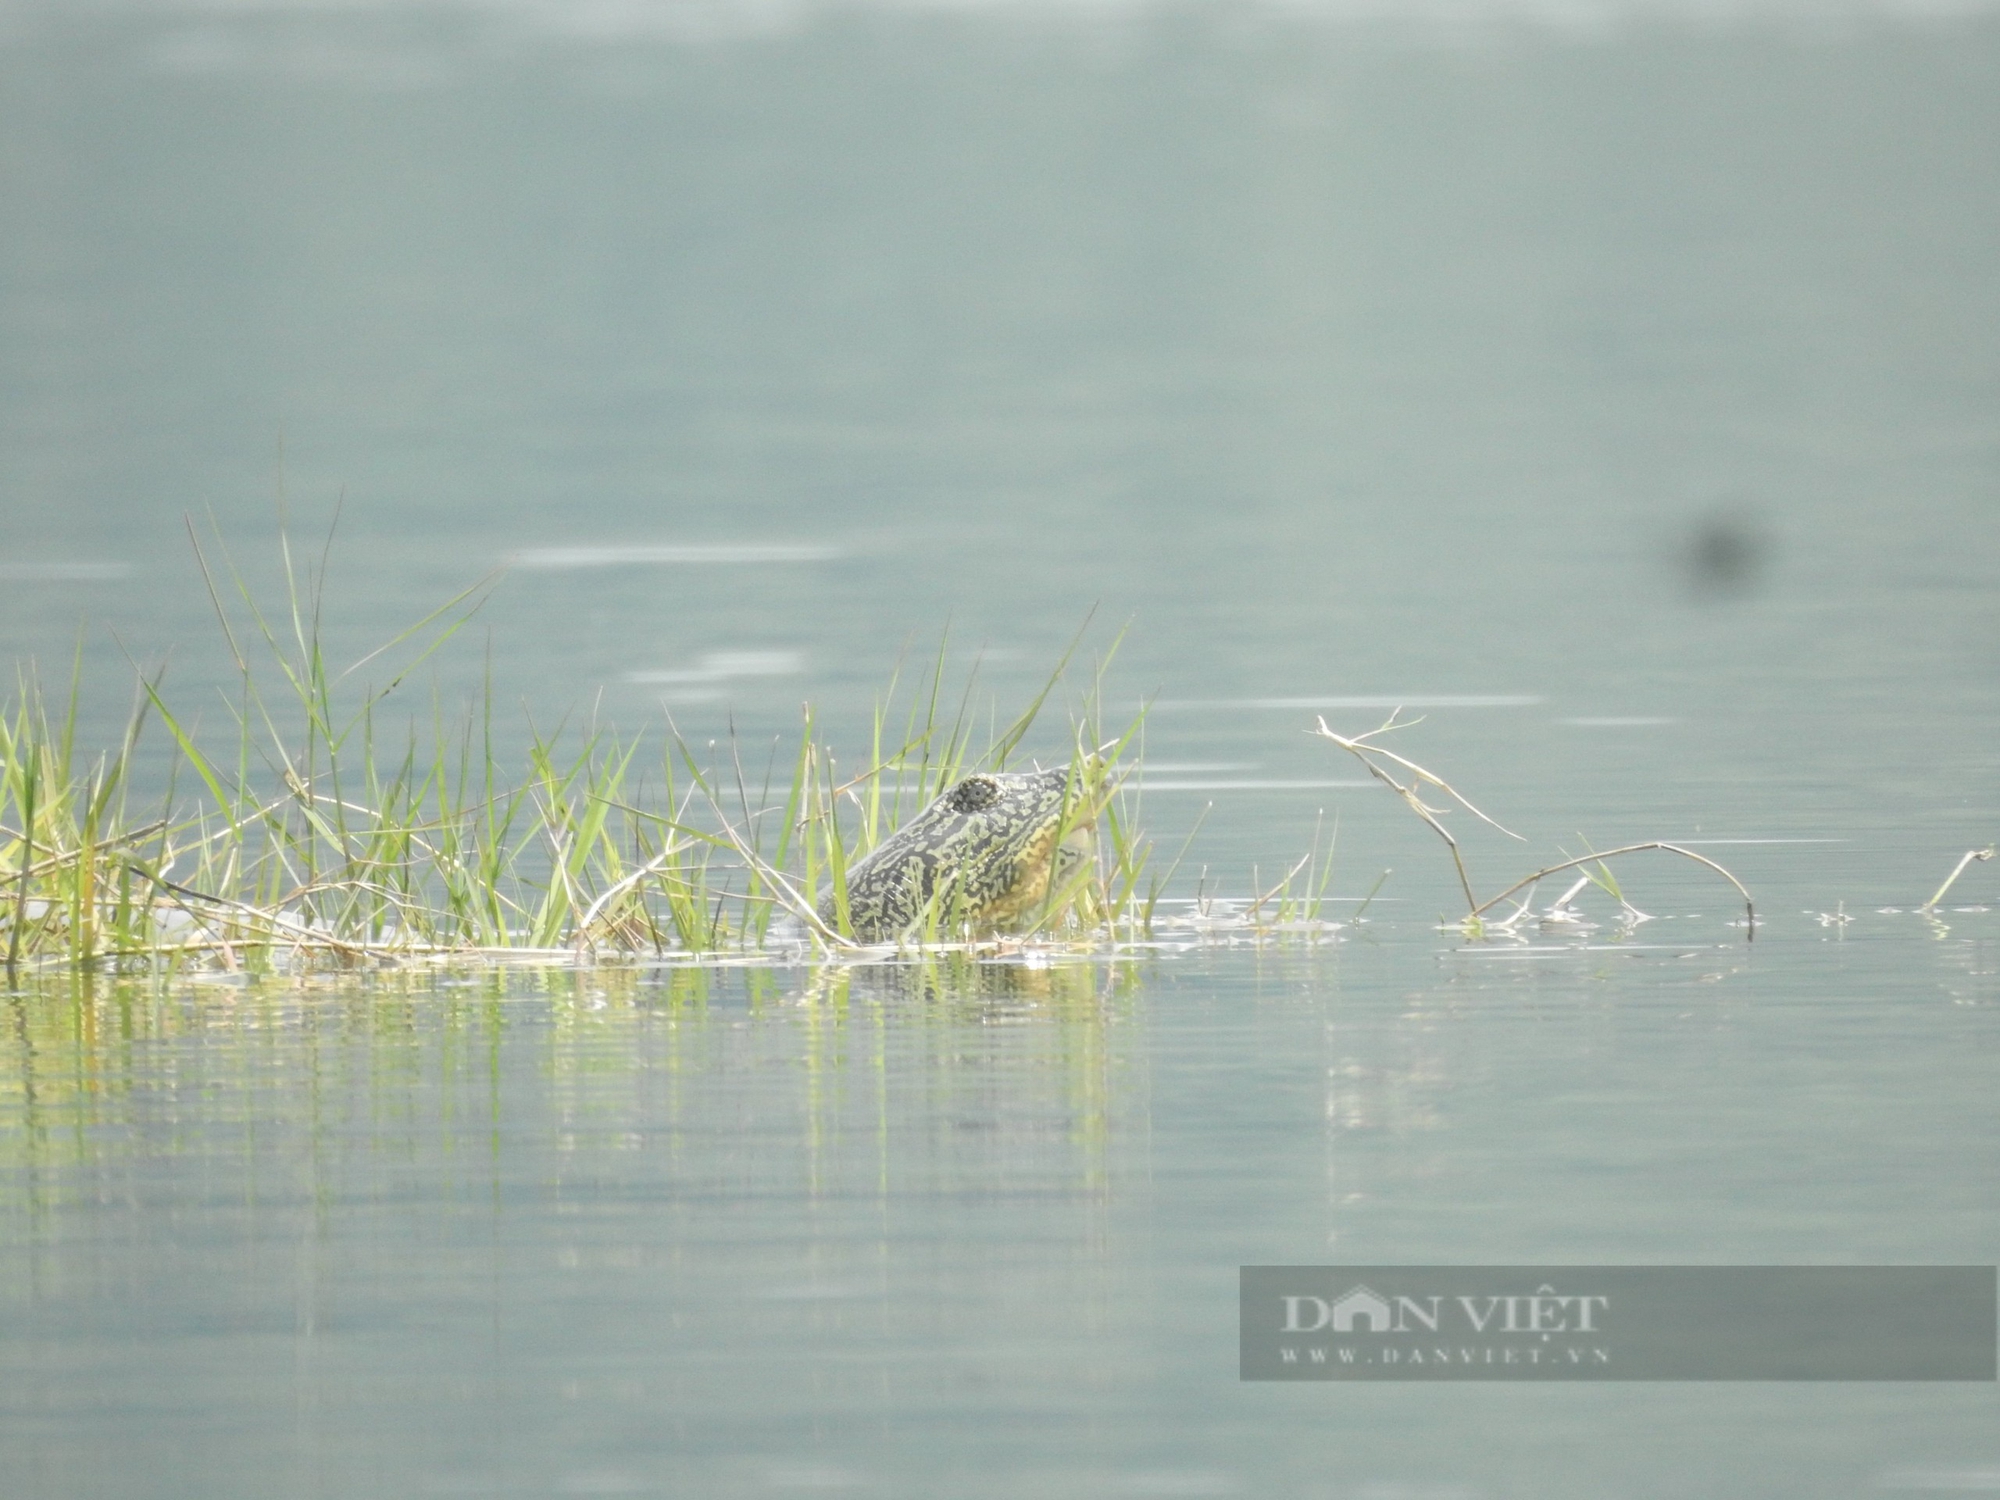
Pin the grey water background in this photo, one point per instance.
(1617, 386)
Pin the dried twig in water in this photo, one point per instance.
(1360, 747)
(1956, 871)
(1749, 908)
(1364, 752)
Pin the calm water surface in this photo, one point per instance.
(1624, 397)
(910, 1231)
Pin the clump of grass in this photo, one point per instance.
(1294, 902)
(1384, 765)
(313, 832)
(70, 860)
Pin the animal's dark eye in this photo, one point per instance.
(972, 794)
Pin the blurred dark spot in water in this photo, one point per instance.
(1726, 556)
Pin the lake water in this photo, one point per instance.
(1617, 387)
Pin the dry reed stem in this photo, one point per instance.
(1956, 871)
(1959, 869)
(1749, 907)
(1359, 747)
(1252, 909)
(299, 931)
(631, 882)
(62, 858)
(1361, 750)
(789, 895)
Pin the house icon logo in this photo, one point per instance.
(1360, 1306)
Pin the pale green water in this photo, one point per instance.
(1629, 394)
(743, 1233)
